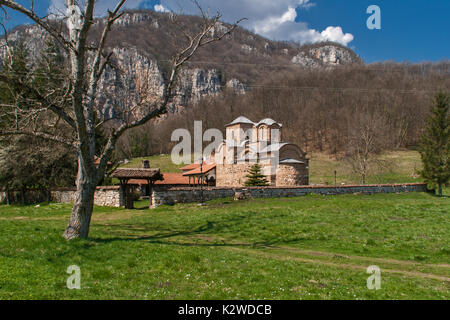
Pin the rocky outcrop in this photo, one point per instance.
(130, 18)
(325, 56)
(142, 62)
(139, 78)
(305, 60)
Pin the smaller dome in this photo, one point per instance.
(268, 122)
(291, 161)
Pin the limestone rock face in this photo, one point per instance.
(325, 56)
(305, 60)
(130, 18)
(142, 61)
(137, 78)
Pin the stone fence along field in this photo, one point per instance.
(113, 197)
(104, 196)
(185, 195)
(108, 196)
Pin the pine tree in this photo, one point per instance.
(16, 65)
(435, 144)
(255, 178)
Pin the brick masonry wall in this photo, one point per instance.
(185, 195)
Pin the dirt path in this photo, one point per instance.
(362, 258)
(284, 257)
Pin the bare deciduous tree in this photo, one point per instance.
(364, 144)
(77, 108)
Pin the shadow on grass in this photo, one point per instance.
(208, 230)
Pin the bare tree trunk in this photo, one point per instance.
(83, 206)
(8, 197)
(22, 196)
(440, 189)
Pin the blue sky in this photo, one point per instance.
(411, 30)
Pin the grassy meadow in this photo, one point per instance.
(312, 247)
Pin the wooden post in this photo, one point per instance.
(150, 193)
(127, 196)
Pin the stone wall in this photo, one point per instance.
(108, 196)
(185, 195)
(232, 175)
(291, 175)
(287, 175)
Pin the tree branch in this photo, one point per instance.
(33, 16)
(48, 104)
(42, 135)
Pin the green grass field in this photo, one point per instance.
(312, 247)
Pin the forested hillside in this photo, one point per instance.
(321, 109)
(324, 94)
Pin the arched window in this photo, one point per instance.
(261, 134)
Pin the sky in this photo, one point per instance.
(411, 30)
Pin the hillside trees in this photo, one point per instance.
(76, 107)
(25, 161)
(321, 109)
(435, 143)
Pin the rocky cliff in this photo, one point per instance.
(143, 42)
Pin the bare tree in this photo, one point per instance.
(87, 63)
(364, 144)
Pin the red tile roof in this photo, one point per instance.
(205, 168)
(191, 166)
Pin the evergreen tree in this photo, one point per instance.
(435, 144)
(27, 162)
(255, 178)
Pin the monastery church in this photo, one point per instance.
(284, 164)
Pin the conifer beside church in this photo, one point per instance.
(255, 178)
(435, 144)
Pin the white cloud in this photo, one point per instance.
(336, 34)
(160, 8)
(273, 23)
(274, 19)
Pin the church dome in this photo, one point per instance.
(241, 119)
(268, 122)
